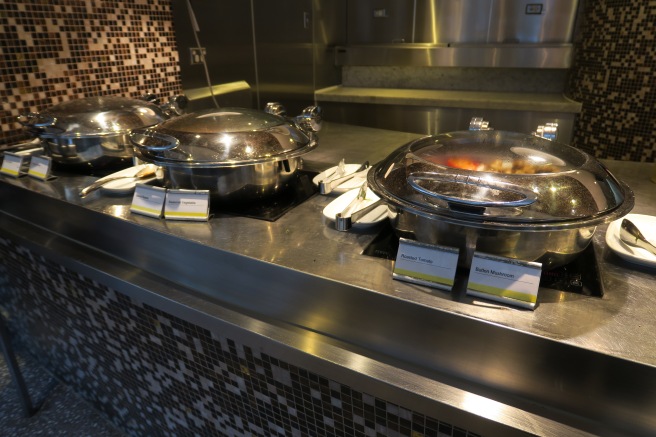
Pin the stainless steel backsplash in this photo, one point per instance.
(461, 21)
(282, 49)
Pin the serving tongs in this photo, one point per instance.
(351, 214)
(143, 173)
(337, 178)
(339, 171)
(630, 234)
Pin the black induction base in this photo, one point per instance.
(580, 276)
(296, 191)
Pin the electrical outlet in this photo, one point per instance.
(197, 54)
(534, 9)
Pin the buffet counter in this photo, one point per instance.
(298, 290)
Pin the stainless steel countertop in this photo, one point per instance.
(311, 276)
(479, 100)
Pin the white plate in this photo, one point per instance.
(352, 183)
(373, 217)
(126, 185)
(637, 255)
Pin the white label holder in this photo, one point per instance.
(13, 164)
(148, 200)
(40, 168)
(505, 280)
(187, 205)
(426, 264)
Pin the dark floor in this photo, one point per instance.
(60, 411)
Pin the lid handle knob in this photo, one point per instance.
(310, 119)
(275, 108)
(477, 123)
(548, 131)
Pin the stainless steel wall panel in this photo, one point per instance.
(288, 21)
(225, 32)
(289, 54)
(518, 21)
(380, 21)
(430, 120)
(461, 21)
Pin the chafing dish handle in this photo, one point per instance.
(36, 120)
(526, 197)
(139, 138)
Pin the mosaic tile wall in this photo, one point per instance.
(155, 374)
(55, 50)
(614, 76)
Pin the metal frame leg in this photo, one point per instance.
(14, 370)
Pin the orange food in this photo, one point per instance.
(463, 163)
(517, 166)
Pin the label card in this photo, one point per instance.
(13, 164)
(40, 167)
(426, 264)
(187, 205)
(505, 280)
(148, 200)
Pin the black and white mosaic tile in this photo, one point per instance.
(614, 76)
(152, 373)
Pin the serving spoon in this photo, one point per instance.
(147, 171)
(630, 234)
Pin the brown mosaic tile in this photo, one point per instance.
(59, 50)
(614, 76)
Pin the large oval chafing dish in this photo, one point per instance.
(238, 154)
(504, 193)
(92, 132)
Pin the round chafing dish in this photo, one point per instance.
(92, 132)
(504, 193)
(238, 154)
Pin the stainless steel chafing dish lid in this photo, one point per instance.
(223, 137)
(497, 177)
(93, 117)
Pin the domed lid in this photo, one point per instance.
(93, 116)
(499, 177)
(222, 137)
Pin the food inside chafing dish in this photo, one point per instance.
(520, 166)
(510, 166)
